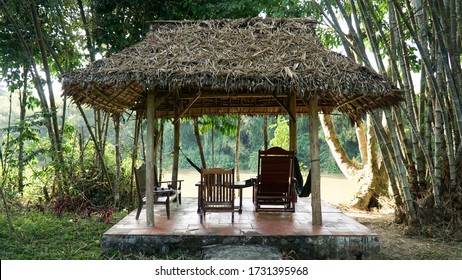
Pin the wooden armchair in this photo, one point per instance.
(274, 188)
(164, 192)
(216, 191)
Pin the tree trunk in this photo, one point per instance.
(136, 137)
(265, 132)
(213, 146)
(116, 119)
(199, 142)
(362, 142)
(55, 126)
(5, 167)
(338, 152)
(89, 43)
(22, 120)
(97, 149)
(238, 142)
(372, 179)
(375, 181)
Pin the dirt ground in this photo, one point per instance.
(395, 244)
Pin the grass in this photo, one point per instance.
(43, 236)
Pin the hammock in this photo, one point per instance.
(302, 190)
(191, 163)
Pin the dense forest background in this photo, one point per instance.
(55, 153)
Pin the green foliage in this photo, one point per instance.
(43, 236)
(347, 135)
(59, 21)
(226, 125)
(218, 9)
(119, 24)
(281, 133)
(328, 164)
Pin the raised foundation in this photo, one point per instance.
(291, 234)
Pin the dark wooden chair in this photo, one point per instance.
(164, 192)
(216, 191)
(274, 188)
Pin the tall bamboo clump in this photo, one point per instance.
(426, 131)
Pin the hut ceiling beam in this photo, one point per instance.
(285, 107)
(180, 115)
(99, 93)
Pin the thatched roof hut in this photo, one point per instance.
(248, 66)
(245, 66)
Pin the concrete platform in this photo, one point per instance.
(340, 236)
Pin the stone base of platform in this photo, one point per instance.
(290, 247)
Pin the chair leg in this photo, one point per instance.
(138, 211)
(167, 205)
(202, 215)
(232, 216)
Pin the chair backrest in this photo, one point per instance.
(140, 179)
(275, 171)
(218, 187)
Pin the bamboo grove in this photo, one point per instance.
(412, 154)
(421, 142)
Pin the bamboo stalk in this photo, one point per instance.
(401, 170)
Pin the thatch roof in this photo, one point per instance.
(246, 66)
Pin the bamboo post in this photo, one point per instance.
(176, 139)
(293, 128)
(150, 158)
(176, 150)
(315, 164)
(265, 131)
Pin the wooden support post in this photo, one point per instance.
(315, 164)
(150, 158)
(265, 131)
(176, 149)
(293, 129)
(176, 131)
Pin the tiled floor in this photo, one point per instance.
(184, 220)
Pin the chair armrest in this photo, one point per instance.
(171, 181)
(178, 186)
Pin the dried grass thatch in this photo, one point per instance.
(246, 66)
